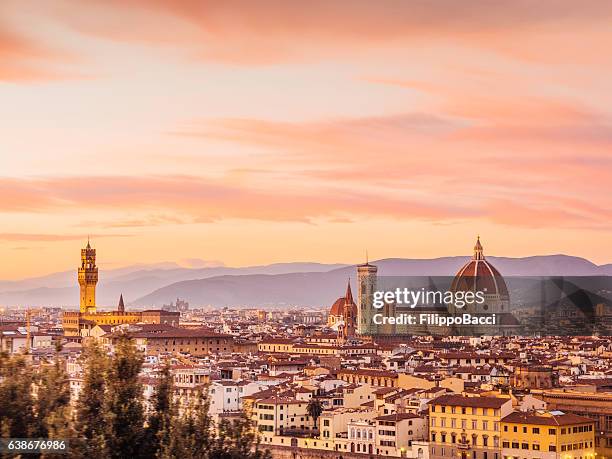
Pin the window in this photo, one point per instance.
(535, 447)
(524, 445)
(552, 431)
(536, 430)
(552, 448)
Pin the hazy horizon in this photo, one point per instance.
(263, 132)
(193, 264)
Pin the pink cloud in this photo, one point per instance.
(195, 199)
(272, 31)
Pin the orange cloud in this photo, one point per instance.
(272, 31)
(195, 199)
(33, 237)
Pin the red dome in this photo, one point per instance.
(337, 308)
(479, 275)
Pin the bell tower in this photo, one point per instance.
(367, 275)
(88, 278)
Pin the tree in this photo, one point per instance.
(191, 433)
(124, 403)
(160, 425)
(90, 423)
(52, 406)
(237, 439)
(17, 413)
(314, 409)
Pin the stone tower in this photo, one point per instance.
(366, 281)
(88, 278)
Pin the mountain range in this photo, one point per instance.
(280, 284)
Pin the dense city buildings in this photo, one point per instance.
(317, 384)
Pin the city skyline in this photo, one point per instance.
(251, 134)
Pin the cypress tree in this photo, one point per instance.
(52, 405)
(163, 415)
(17, 413)
(90, 422)
(124, 403)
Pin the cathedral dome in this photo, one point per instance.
(480, 275)
(337, 308)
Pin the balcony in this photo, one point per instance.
(463, 444)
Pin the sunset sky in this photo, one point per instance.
(250, 132)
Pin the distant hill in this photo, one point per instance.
(322, 288)
(61, 289)
(306, 284)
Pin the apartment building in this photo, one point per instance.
(466, 427)
(547, 435)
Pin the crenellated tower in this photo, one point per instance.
(88, 278)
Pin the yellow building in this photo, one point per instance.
(80, 323)
(548, 435)
(466, 427)
(281, 416)
(373, 377)
(594, 405)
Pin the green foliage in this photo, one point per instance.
(314, 409)
(109, 418)
(52, 406)
(159, 430)
(236, 439)
(16, 381)
(90, 424)
(124, 406)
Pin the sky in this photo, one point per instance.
(247, 132)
